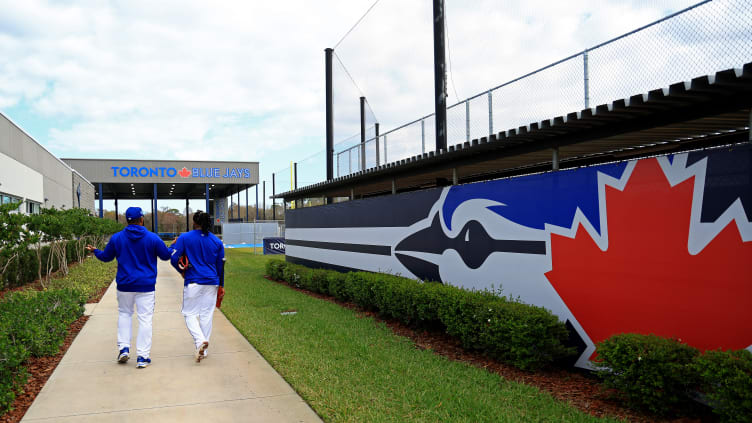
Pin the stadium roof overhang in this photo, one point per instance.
(179, 180)
(708, 110)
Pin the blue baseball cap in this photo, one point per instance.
(134, 213)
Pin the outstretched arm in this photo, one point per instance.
(176, 250)
(162, 251)
(109, 252)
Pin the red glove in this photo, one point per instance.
(220, 295)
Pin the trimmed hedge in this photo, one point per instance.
(526, 336)
(32, 323)
(662, 375)
(651, 372)
(726, 380)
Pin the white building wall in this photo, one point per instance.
(19, 180)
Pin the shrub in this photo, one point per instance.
(12, 373)
(726, 379)
(651, 372)
(526, 336)
(32, 323)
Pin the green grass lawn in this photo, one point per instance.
(354, 369)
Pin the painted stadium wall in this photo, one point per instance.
(659, 245)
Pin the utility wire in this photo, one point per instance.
(449, 56)
(354, 83)
(356, 24)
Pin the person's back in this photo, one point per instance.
(136, 250)
(204, 252)
(204, 278)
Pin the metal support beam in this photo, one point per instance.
(394, 186)
(467, 120)
(117, 218)
(263, 197)
(490, 113)
(246, 204)
(376, 130)
(749, 126)
(329, 116)
(206, 190)
(187, 217)
(257, 208)
(295, 175)
(439, 74)
(423, 136)
(101, 202)
(274, 208)
(454, 176)
(362, 133)
(555, 159)
(586, 82)
(352, 194)
(155, 220)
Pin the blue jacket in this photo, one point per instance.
(136, 250)
(205, 253)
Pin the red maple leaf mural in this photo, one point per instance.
(184, 173)
(646, 281)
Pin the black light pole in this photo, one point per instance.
(274, 208)
(362, 133)
(257, 209)
(187, 213)
(439, 74)
(246, 203)
(263, 197)
(329, 118)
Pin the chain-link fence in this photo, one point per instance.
(251, 234)
(710, 36)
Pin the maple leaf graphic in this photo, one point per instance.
(647, 282)
(184, 173)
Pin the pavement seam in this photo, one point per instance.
(164, 406)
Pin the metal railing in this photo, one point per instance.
(704, 38)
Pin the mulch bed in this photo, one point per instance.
(40, 369)
(576, 387)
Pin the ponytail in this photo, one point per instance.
(202, 219)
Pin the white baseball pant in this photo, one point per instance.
(144, 303)
(198, 309)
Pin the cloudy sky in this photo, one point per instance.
(245, 80)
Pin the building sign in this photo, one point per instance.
(185, 172)
(274, 245)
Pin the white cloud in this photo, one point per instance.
(244, 80)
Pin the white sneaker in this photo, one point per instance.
(201, 351)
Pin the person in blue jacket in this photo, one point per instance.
(136, 250)
(204, 278)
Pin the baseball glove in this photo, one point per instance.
(220, 296)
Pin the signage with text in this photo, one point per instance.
(171, 172)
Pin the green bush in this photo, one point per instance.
(726, 379)
(651, 372)
(523, 335)
(32, 323)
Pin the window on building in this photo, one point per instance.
(32, 207)
(7, 199)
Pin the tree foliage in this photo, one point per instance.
(47, 237)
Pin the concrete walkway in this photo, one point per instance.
(233, 384)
